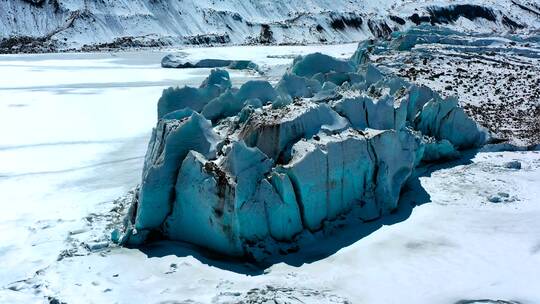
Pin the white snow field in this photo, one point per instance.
(75, 128)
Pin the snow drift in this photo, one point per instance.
(243, 171)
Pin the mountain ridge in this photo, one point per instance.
(60, 25)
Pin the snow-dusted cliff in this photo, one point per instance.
(45, 25)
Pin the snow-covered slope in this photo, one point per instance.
(48, 25)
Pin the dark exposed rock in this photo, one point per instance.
(208, 39)
(416, 19)
(379, 29)
(450, 14)
(397, 20)
(266, 36)
(342, 22)
(444, 15)
(35, 2)
(511, 23)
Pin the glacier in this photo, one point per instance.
(247, 171)
(177, 62)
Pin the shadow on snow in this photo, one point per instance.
(327, 242)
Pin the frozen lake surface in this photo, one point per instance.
(74, 130)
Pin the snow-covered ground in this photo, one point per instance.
(74, 132)
(498, 84)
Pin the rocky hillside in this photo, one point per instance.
(59, 25)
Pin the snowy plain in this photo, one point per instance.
(74, 133)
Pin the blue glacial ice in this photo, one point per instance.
(317, 63)
(255, 93)
(171, 141)
(235, 170)
(178, 62)
(213, 86)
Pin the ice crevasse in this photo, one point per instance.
(235, 169)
